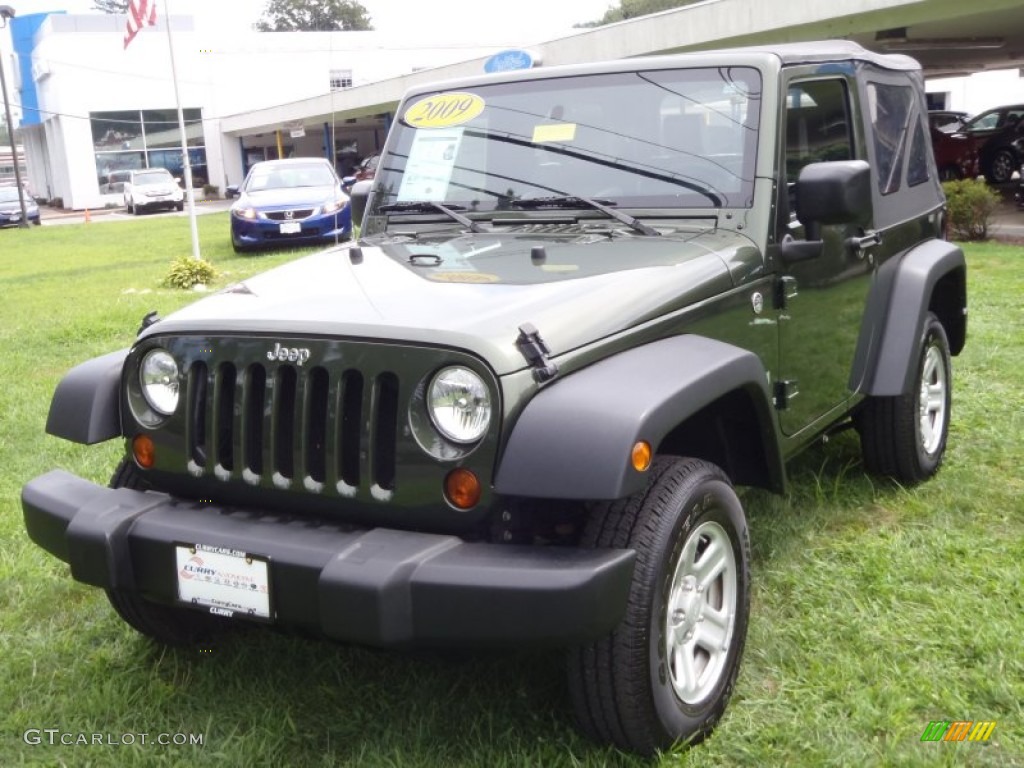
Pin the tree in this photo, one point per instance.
(110, 6)
(313, 16)
(631, 9)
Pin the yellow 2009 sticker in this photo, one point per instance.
(444, 110)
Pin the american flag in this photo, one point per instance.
(141, 13)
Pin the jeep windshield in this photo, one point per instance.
(655, 139)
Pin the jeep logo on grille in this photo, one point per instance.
(297, 355)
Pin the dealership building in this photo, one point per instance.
(89, 106)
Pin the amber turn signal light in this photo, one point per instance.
(462, 489)
(144, 451)
(641, 455)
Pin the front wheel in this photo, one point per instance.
(665, 674)
(904, 437)
(166, 624)
(1001, 167)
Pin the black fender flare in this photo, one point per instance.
(85, 406)
(574, 439)
(899, 302)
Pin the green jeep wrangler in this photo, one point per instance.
(586, 302)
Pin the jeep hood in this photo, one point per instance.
(474, 291)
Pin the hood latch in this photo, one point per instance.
(536, 352)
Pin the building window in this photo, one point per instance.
(340, 79)
(148, 138)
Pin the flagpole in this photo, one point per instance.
(189, 194)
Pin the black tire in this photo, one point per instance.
(904, 437)
(164, 623)
(950, 173)
(1001, 166)
(179, 206)
(625, 687)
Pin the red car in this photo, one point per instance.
(956, 155)
(368, 167)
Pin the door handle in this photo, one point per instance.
(861, 244)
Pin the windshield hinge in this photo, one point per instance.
(536, 352)
(148, 320)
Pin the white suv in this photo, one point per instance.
(149, 188)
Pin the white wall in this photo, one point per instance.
(981, 91)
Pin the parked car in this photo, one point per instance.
(10, 207)
(956, 155)
(586, 303)
(367, 169)
(286, 202)
(947, 120)
(115, 182)
(998, 137)
(148, 189)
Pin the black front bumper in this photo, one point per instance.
(374, 586)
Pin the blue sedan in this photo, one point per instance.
(297, 201)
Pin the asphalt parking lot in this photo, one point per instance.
(52, 216)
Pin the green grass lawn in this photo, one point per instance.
(876, 609)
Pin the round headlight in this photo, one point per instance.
(159, 378)
(459, 404)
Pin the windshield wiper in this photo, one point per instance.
(604, 206)
(427, 206)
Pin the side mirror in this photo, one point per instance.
(837, 192)
(231, 190)
(358, 196)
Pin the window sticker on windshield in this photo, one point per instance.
(557, 132)
(431, 160)
(443, 110)
(463, 277)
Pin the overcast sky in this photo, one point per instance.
(532, 20)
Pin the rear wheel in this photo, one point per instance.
(950, 173)
(666, 673)
(164, 623)
(905, 436)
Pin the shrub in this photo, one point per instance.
(211, 190)
(187, 272)
(971, 204)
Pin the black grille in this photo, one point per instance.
(297, 213)
(293, 427)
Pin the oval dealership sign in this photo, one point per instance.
(510, 59)
(443, 110)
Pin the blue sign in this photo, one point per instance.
(504, 61)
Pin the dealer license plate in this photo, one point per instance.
(225, 581)
(291, 227)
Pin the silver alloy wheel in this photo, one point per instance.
(931, 403)
(701, 614)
